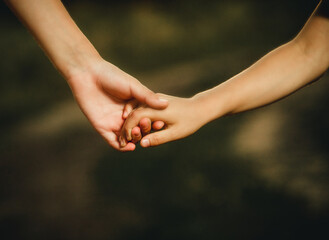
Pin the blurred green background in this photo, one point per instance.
(258, 175)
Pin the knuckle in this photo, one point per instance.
(135, 114)
(155, 140)
(132, 115)
(146, 127)
(128, 107)
(159, 94)
(138, 114)
(146, 130)
(136, 132)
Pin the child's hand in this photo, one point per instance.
(144, 128)
(182, 118)
(145, 125)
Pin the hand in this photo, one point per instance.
(102, 90)
(145, 125)
(144, 128)
(181, 119)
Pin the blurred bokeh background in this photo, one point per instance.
(258, 175)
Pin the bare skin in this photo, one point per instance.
(278, 74)
(101, 89)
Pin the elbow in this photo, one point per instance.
(314, 52)
(312, 43)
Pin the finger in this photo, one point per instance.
(128, 148)
(145, 125)
(157, 125)
(157, 138)
(145, 95)
(112, 139)
(134, 119)
(136, 134)
(123, 142)
(129, 107)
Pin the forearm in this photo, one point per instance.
(273, 77)
(56, 32)
(276, 75)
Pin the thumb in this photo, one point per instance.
(145, 95)
(157, 138)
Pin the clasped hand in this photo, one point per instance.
(124, 111)
(102, 92)
(180, 119)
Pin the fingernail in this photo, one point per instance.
(163, 100)
(125, 114)
(145, 143)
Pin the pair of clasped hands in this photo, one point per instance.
(126, 112)
(117, 105)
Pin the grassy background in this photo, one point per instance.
(257, 175)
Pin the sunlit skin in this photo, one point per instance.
(179, 117)
(101, 89)
(144, 128)
(278, 74)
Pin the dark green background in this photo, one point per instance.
(257, 175)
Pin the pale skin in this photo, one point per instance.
(278, 74)
(101, 89)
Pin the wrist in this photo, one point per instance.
(208, 106)
(201, 108)
(78, 61)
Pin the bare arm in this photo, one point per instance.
(276, 75)
(56, 32)
(99, 87)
